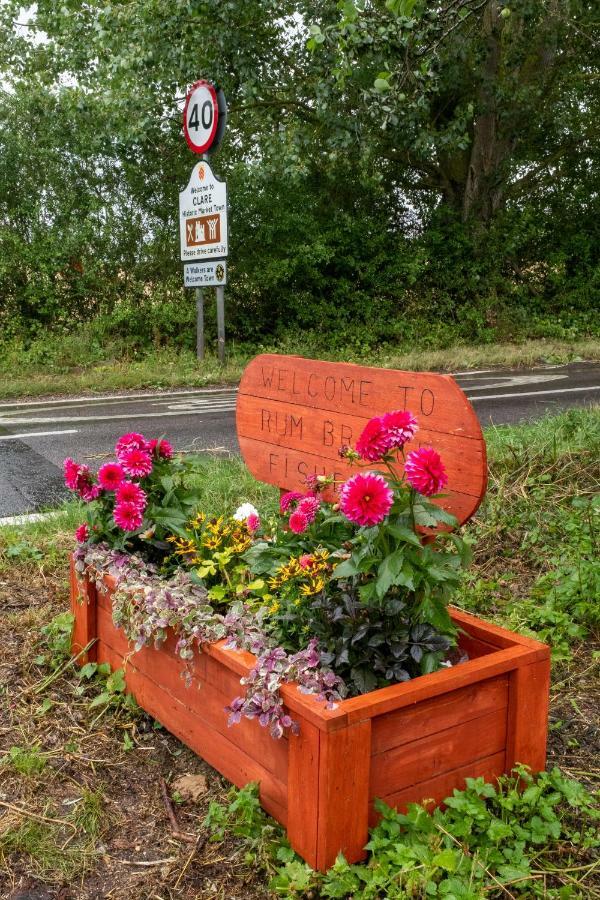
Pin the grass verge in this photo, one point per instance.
(64, 369)
(82, 810)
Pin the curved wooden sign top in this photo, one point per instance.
(293, 415)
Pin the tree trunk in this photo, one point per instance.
(485, 183)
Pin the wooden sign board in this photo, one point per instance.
(294, 414)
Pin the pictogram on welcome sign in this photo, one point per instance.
(294, 414)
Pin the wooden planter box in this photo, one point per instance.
(403, 744)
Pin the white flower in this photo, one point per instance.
(243, 511)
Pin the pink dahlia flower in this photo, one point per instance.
(306, 561)
(298, 522)
(366, 499)
(71, 470)
(128, 516)
(128, 492)
(110, 476)
(289, 498)
(89, 492)
(162, 448)
(82, 533)
(374, 441)
(136, 463)
(253, 522)
(401, 427)
(309, 507)
(131, 441)
(425, 471)
(83, 483)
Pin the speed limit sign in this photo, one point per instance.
(204, 117)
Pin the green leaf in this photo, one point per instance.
(389, 570)
(405, 534)
(448, 859)
(88, 670)
(381, 85)
(345, 569)
(115, 683)
(101, 700)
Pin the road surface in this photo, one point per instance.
(36, 435)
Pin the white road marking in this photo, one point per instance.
(514, 381)
(30, 434)
(29, 517)
(591, 387)
(471, 372)
(131, 415)
(200, 402)
(109, 398)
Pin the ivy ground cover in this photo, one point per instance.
(60, 731)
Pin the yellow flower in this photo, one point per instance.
(314, 586)
(215, 526)
(183, 546)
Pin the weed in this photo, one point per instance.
(23, 550)
(89, 814)
(42, 845)
(244, 817)
(56, 641)
(28, 761)
(485, 840)
(112, 687)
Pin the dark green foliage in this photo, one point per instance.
(372, 647)
(399, 173)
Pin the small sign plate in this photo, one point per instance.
(212, 273)
(203, 216)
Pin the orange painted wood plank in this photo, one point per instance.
(293, 414)
(493, 634)
(440, 787)
(303, 791)
(288, 469)
(435, 754)
(206, 700)
(396, 696)
(529, 697)
(322, 433)
(429, 717)
(361, 390)
(182, 721)
(473, 647)
(83, 608)
(343, 794)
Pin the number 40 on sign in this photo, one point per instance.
(204, 117)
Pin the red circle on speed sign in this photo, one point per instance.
(200, 116)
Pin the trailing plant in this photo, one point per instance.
(146, 604)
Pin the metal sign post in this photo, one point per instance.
(203, 232)
(199, 323)
(221, 323)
